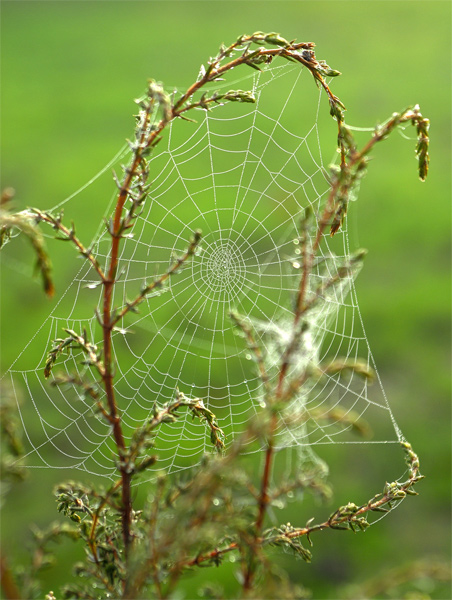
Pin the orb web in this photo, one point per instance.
(243, 175)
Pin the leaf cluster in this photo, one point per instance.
(25, 223)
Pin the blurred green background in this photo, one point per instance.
(70, 71)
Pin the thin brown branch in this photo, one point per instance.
(262, 504)
(350, 517)
(95, 520)
(168, 414)
(68, 235)
(24, 222)
(335, 205)
(8, 584)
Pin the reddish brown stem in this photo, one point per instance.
(375, 504)
(9, 586)
(115, 419)
(111, 401)
(262, 504)
(307, 268)
(263, 497)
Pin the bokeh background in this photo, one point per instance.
(69, 73)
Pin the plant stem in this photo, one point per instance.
(393, 492)
(262, 506)
(107, 326)
(7, 582)
(340, 187)
(111, 401)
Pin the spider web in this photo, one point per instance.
(243, 174)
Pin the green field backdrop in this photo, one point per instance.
(69, 74)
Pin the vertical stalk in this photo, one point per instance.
(107, 325)
(308, 261)
(109, 283)
(8, 584)
(110, 393)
